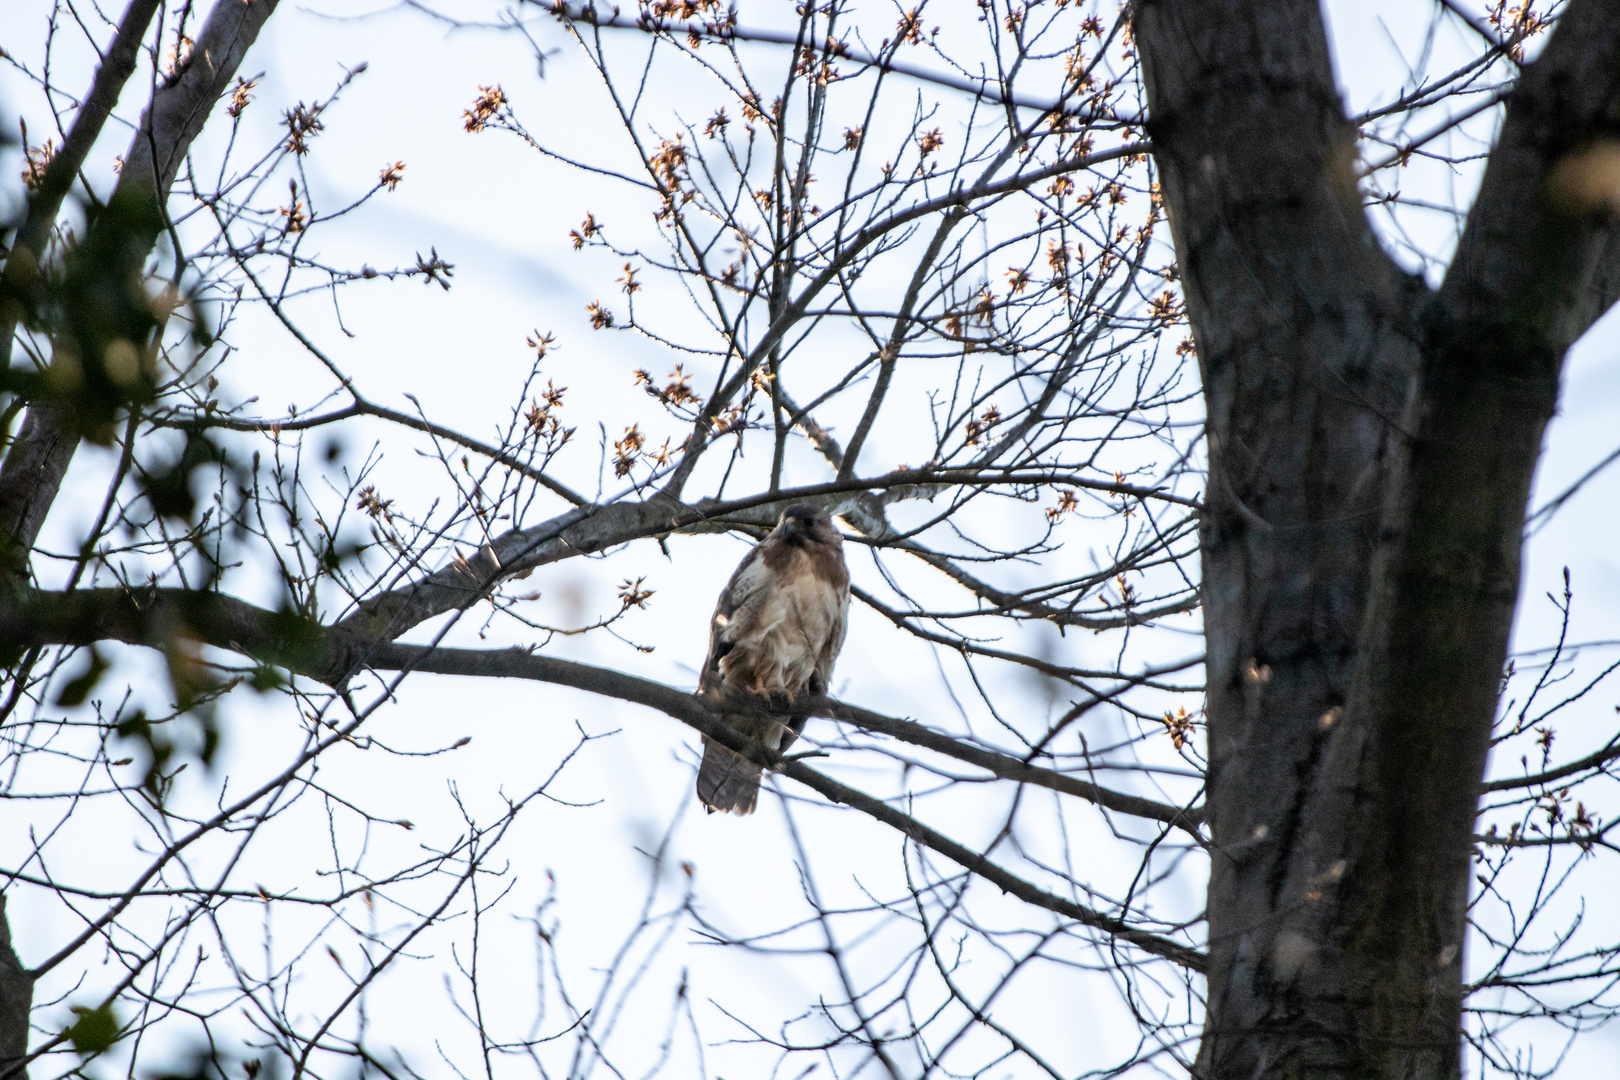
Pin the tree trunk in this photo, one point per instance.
(16, 1001)
(1371, 450)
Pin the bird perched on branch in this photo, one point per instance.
(775, 634)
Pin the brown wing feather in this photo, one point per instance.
(727, 780)
(827, 563)
(732, 597)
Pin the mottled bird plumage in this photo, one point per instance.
(774, 637)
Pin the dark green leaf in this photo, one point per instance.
(77, 690)
(94, 1030)
(266, 679)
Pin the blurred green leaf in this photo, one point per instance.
(158, 747)
(11, 654)
(102, 319)
(266, 679)
(77, 690)
(168, 488)
(95, 1029)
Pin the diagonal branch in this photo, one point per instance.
(155, 617)
(39, 458)
(42, 450)
(973, 861)
(691, 711)
(585, 530)
(117, 65)
(1008, 767)
(1595, 760)
(1540, 254)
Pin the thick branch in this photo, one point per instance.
(588, 529)
(1539, 259)
(982, 866)
(516, 663)
(1008, 767)
(182, 106)
(156, 617)
(41, 453)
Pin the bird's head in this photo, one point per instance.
(806, 521)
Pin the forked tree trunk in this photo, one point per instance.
(1371, 449)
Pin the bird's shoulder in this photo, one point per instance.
(753, 575)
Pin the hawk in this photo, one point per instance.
(775, 634)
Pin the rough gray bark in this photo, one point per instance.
(16, 1000)
(1371, 451)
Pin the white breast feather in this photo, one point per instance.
(788, 626)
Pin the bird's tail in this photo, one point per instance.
(726, 780)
